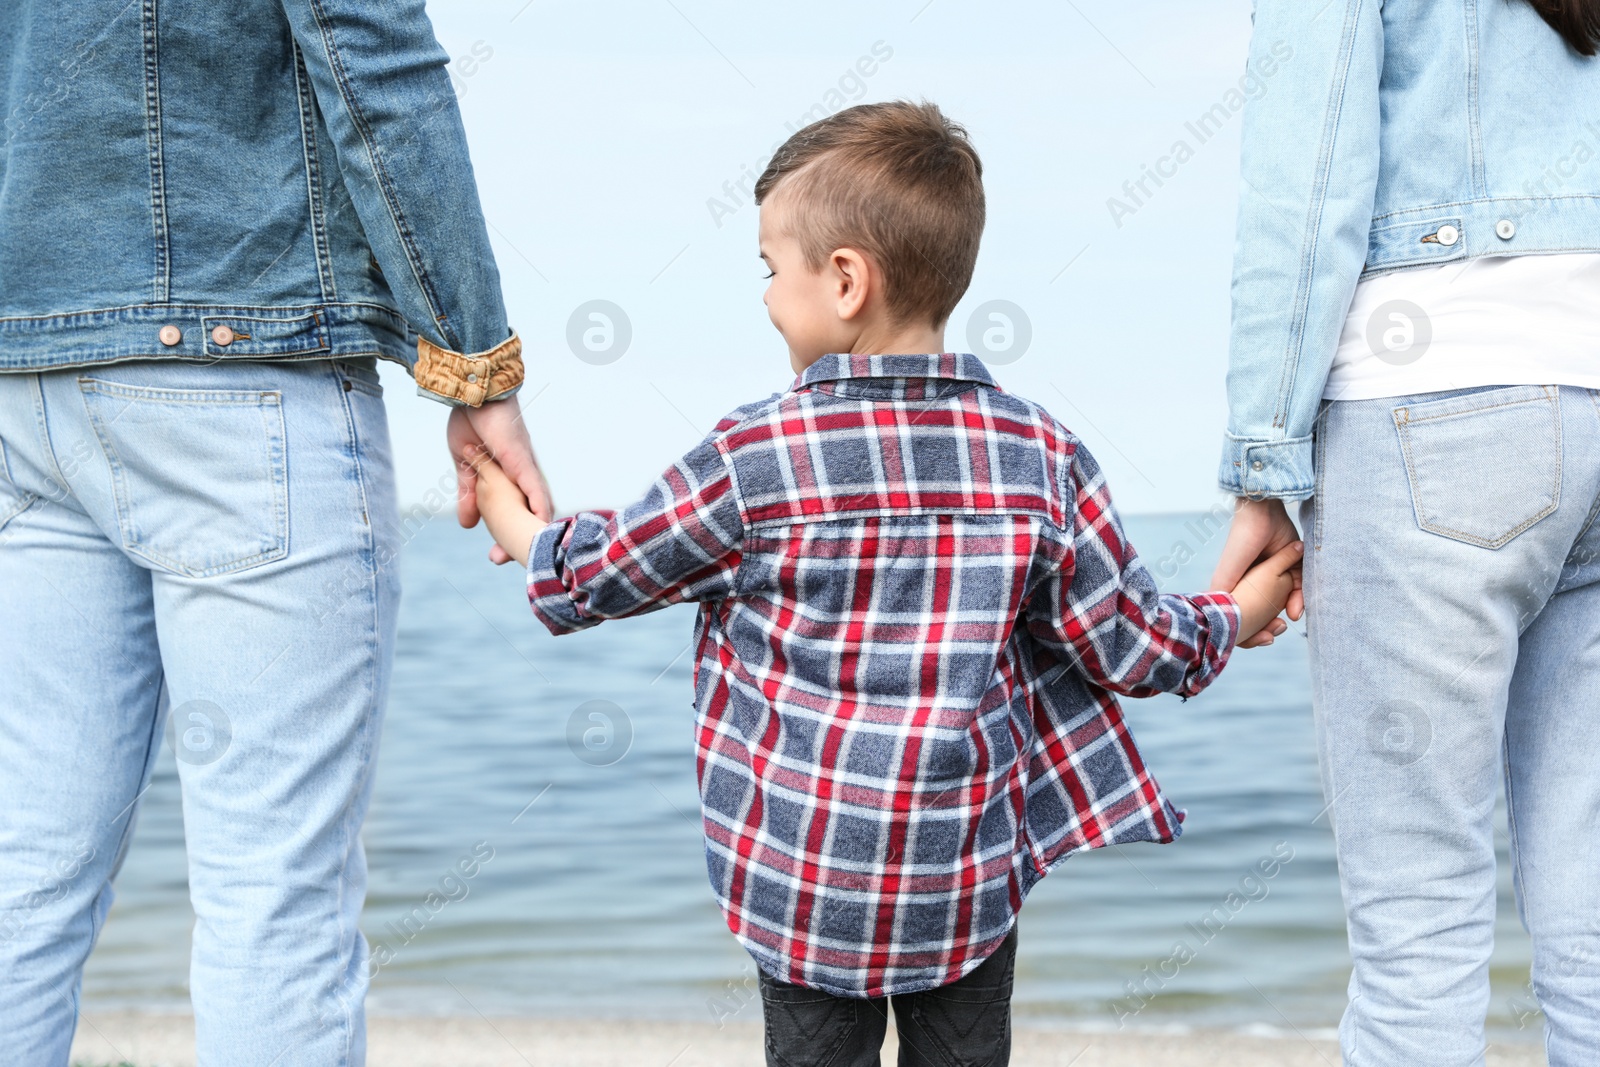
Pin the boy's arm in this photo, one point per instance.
(681, 542)
(1101, 610)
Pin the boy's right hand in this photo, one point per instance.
(504, 508)
(1264, 591)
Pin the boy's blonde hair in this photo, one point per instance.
(897, 181)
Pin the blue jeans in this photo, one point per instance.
(220, 541)
(1453, 589)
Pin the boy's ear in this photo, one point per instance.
(854, 279)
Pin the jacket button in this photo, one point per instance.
(1505, 229)
(1448, 235)
(170, 335)
(222, 336)
(473, 378)
(1257, 465)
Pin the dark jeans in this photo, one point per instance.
(964, 1024)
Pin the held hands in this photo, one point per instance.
(1265, 590)
(1261, 564)
(496, 429)
(505, 509)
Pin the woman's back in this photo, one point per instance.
(1486, 112)
(1399, 134)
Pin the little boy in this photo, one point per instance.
(916, 604)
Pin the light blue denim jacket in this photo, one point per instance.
(294, 171)
(1398, 134)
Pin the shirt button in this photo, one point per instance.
(1505, 229)
(170, 335)
(1448, 235)
(222, 336)
(472, 379)
(1257, 465)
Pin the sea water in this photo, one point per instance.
(560, 772)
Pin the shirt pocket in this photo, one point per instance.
(1484, 466)
(199, 475)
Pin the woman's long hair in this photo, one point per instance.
(1577, 21)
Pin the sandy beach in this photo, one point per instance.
(167, 1041)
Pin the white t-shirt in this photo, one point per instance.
(1493, 320)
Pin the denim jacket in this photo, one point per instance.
(254, 180)
(1398, 134)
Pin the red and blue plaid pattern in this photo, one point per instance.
(916, 606)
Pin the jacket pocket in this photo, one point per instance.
(1485, 466)
(199, 476)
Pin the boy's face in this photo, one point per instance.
(802, 303)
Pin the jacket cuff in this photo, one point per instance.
(1257, 468)
(469, 379)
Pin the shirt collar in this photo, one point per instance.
(953, 366)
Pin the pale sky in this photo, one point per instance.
(602, 131)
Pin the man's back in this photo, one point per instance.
(292, 171)
(213, 218)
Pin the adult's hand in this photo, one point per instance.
(497, 428)
(1259, 529)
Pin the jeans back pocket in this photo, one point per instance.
(199, 475)
(1483, 466)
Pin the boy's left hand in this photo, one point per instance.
(1264, 591)
(505, 509)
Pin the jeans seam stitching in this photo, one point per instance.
(118, 489)
(124, 839)
(42, 421)
(24, 502)
(1594, 508)
(25, 499)
(1319, 460)
(373, 642)
(1475, 411)
(1511, 829)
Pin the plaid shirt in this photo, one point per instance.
(916, 604)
